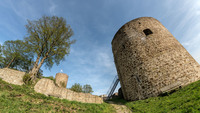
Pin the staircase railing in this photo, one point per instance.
(112, 87)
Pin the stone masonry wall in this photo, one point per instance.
(47, 87)
(61, 79)
(12, 76)
(149, 60)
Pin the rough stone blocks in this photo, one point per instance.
(150, 61)
(61, 80)
(47, 87)
(12, 76)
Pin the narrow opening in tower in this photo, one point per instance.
(147, 32)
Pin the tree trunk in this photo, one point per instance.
(10, 63)
(35, 69)
(36, 62)
(35, 65)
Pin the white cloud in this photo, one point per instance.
(23, 9)
(185, 17)
(186, 44)
(196, 55)
(91, 60)
(94, 66)
(105, 60)
(193, 42)
(52, 7)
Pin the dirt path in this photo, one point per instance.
(120, 108)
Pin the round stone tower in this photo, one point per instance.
(150, 61)
(61, 79)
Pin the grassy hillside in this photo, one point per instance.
(185, 100)
(15, 98)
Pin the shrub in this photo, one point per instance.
(87, 89)
(27, 79)
(76, 87)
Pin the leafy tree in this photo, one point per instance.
(1, 57)
(49, 38)
(16, 55)
(87, 89)
(76, 87)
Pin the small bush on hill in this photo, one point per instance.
(27, 79)
(76, 87)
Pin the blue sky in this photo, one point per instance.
(94, 24)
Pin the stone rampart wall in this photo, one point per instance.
(47, 87)
(12, 76)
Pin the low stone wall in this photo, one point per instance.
(47, 87)
(12, 76)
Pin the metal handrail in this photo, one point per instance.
(112, 87)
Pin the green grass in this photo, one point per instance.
(185, 100)
(117, 100)
(23, 99)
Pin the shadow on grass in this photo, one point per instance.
(116, 100)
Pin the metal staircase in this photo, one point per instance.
(112, 87)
